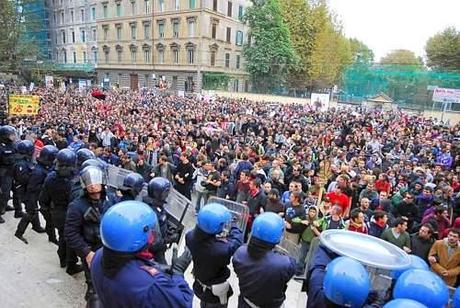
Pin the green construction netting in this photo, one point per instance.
(407, 85)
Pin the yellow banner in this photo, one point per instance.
(23, 104)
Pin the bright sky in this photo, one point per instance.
(385, 25)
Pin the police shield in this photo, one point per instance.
(180, 213)
(288, 247)
(240, 212)
(116, 175)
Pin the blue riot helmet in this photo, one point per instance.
(133, 182)
(416, 262)
(213, 217)
(346, 282)
(47, 155)
(83, 155)
(404, 303)
(95, 163)
(456, 298)
(268, 227)
(422, 286)
(8, 134)
(26, 147)
(158, 189)
(91, 175)
(127, 226)
(66, 158)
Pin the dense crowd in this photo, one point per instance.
(388, 174)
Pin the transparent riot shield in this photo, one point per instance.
(240, 212)
(289, 247)
(116, 175)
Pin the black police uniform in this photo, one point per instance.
(82, 233)
(54, 201)
(7, 160)
(211, 257)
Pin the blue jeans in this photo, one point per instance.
(200, 196)
(304, 247)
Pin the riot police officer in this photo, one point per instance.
(83, 155)
(133, 184)
(122, 272)
(8, 136)
(46, 161)
(28, 178)
(82, 224)
(263, 273)
(54, 202)
(21, 172)
(211, 254)
(158, 191)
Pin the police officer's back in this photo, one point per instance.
(263, 274)
(7, 159)
(211, 255)
(122, 272)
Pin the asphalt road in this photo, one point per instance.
(30, 275)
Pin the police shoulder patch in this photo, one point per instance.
(149, 269)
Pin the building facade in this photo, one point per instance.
(145, 43)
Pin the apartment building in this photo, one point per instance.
(145, 43)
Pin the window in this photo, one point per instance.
(214, 5)
(161, 56)
(71, 16)
(191, 55)
(65, 56)
(63, 37)
(118, 33)
(147, 6)
(105, 10)
(133, 56)
(106, 57)
(83, 36)
(161, 30)
(106, 33)
(147, 56)
(94, 35)
(133, 7)
(191, 4)
(229, 34)
(239, 38)
(147, 31)
(146, 80)
(227, 60)
(62, 18)
(191, 28)
(240, 12)
(54, 18)
(213, 58)
(95, 56)
(214, 30)
(238, 60)
(175, 56)
(229, 9)
(82, 13)
(74, 57)
(73, 36)
(177, 5)
(133, 31)
(118, 9)
(162, 5)
(175, 29)
(93, 13)
(84, 57)
(119, 55)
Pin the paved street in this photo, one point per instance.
(30, 275)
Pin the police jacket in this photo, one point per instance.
(7, 155)
(211, 257)
(139, 284)
(21, 172)
(55, 197)
(35, 183)
(82, 225)
(263, 281)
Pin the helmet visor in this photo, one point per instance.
(92, 176)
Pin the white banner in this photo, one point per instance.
(445, 95)
(49, 81)
(320, 101)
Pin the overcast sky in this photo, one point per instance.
(384, 25)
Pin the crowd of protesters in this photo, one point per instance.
(388, 174)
